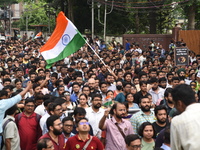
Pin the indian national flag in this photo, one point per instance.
(64, 41)
(38, 35)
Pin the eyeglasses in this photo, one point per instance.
(84, 123)
(68, 125)
(136, 146)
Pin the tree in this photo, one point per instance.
(35, 14)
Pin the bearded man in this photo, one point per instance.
(95, 113)
(116, 128)
(55, 128)
(144, 115)
(161, 117)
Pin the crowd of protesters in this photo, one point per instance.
(128, 103)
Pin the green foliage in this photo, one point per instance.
(36, 14)
(4, 3)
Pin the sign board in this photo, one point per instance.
(181, 56)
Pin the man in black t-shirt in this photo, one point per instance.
(161, 116)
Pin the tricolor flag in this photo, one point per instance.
(64, 41)
(38, 35)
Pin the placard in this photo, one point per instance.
(181, 56)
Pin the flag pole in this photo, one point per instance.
(97, 55)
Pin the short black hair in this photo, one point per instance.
(68, 118)
(42, 143)
(142, 82)
(60, 86)
(50, 121)
(54, 105)
(79, 110)
(130, 138)
(38, 78)
(59, 101)
(6, 80)
(167, 91)
(142, 127)
(96, 95)
(170, 74)
(81, 119)
(175, 78)
(184, 93)
(3, 93)
(128, 73)
(54, 74)
(75, 83)
(11, 110)
(101, 83)
(126, 83)
(160, 107)
(162, 79)
(154, 80)
(153, 70)
(140, 100)
(29, 100)
(35, 86)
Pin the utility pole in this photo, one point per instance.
(105, 14)
(92, 19)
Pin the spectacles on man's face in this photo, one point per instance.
(68, 125)
(84, 123)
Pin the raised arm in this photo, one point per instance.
(102, 125)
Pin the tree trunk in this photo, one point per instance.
(137, 22)
(191, 17)
(152, 21)
(70, 10)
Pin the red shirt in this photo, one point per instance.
(75, 143)
(61, 141)
(29, 131)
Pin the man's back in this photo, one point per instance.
(185, 129)
(10, 131)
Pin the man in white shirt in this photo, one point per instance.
(185, 127)
(156, 91)
(109, 79)
(95, 113)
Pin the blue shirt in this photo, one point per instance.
(6, 104)
(73, 97)
(71, 134)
